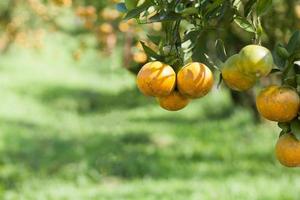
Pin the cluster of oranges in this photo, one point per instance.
(174, 91)
(88, 15)
(240, 72)
(275, 103)
(281, 104)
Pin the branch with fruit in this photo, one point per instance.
(174, 77)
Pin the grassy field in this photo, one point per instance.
(81, 130)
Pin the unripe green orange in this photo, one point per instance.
(234, 77)
(256, 60)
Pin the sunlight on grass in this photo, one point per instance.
(81, 130)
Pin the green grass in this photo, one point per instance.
(81, 130)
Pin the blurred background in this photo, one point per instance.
(74, 126)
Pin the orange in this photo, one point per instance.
(280, 104)
(80, 12)
(288, 150)
(195, 80)
(173, 102)
(233, 76)
(109, 14)
(90, 11)
(106, 28)
(156, 79)
(124, 27)
(140, 57)
(256, 60)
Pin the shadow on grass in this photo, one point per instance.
(36, 150)
(207, 113)
(86, 101)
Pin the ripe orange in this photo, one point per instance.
(106, 28)
(140, 57)
(195, 80)
(288, 150)
(173, 102)
(80, 12)
(233, 76)
(109, 14)
(90, 11)
(280, 104)
(256, 60)
(156, 79)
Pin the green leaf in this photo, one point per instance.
(131, 4)
(137, 11)
(179, 8)
(221, 51)
(262, 6)
(248, 7)
(150, 53)
(155, 39)
(244, 24)
(294, 43)
(295, 128)
(278, 60)
(298, 79)
(187, 44)
(163, 17)
(282, 52)
(189, 11)
(187, 56)
(285, 126)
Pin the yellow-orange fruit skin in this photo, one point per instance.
(173, 102)
(140, 57)
(195, 80)
(233, 76)
(256, 60)
(156, 79)
(288, 150)
(106, 28)
(280, 104)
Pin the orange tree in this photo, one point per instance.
(177, 71)
(77, 18)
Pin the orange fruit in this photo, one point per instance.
(140, 57)
(278, 103)
(173, 102)
(80, 11)
(256, 60)
(124, 27)
(90, 11)
(288, 150)
(195, 80)
(156, 79)
(233, 76)
(106, 28)
(109, 14)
